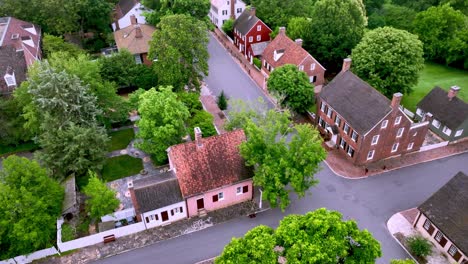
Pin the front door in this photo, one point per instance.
(200, 204)
(164, 216)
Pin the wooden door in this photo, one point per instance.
(200, 204)
(164, 216)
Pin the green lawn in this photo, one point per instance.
(27, 146)
(120, 167)
(120, 139)
(435, 74)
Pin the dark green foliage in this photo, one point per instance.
(120, 139)
(134, 99)
(419, 246)
(51, 44)
(21, 147)
(195, 8)
(222, 101)
(257, 62)
(191, 100)
(121, 166)
(228, 27)
(30, 202)
(67, 232)
(401, 261)
(276, 13)
(204, 121)
(12, 130)
(396, 16)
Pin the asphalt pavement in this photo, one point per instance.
(371, 201)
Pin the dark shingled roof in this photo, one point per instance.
(152, 193)
(125, 6)
(258, 48)
(215, 164)
(450, 113)
(448, 210)
(356, 101)
(245, 22)
(15, 61)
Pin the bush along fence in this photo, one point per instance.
(31, 257)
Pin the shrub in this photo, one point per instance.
(228, 27)
(191, 101)
(67, 233)
(257, 62)
(222, 101)
(419, 246)
(204, 121)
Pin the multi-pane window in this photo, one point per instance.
(259, 37)
(323, 106)
(350, 151)
(410, 145)
(438, 236)
(400, 132)
(301, 67)
(224, 12)
(419, 112)
(354, 136)
(342, 143)
(242, 189)
(375, 140)
(427, 224)
(312, 66)
(459, 133)
(10, 80)
(395, 147)
(250, 39)
(337, 120)
(370, 155)
(452, 250)
(436, 123)
(239, 10)
(398, 120)
(321, 122)
(329, 112)
(384, 124)
(346, 128)
(447, 131)
(259, 28)
(218, 197)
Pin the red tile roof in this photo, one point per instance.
(214, 164)
(293, 53)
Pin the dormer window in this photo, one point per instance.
(277, 54)
(10, 79)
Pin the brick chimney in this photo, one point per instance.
(233, 9)
(198, 136)
(282, 31)
(138, 33)
(252, 11)
(298, 42)
(396, 100)
(453, 92)
(133, 20)
(346, 65)
(117, 26)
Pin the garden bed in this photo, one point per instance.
(120, 167)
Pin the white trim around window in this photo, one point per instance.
(447, 131)
(250, 39)
(400, 132)
(354, 136)
(395, 147)
(220, 196)
(384, 124)
(346, 128)
(410, 145)
(398, 120)
(436, 123)
(259, 28)
(323, 106)
(459, 133)
(370, 155)
(375, 140)
(259, 37)
(452, 250)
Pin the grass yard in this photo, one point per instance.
(120, 139)
(120, 167)
(27, 146)
(435, 74)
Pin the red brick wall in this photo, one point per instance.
(318, 71)
(146, 60)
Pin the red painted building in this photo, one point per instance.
(248, 30)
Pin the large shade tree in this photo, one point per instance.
(30, 203)
(389, 59)
(179, 45)
(195, 8)
(101, 199)
(276, 13)
(321, 236)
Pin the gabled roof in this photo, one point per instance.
(258, 48)
(126, 38)
(447, 209)
(125, 6)
(293, 53)
(214, 164)
(356, 101)
(450, 113)
(246, 21)
(152, 193)
(11, 61)
(22, 35)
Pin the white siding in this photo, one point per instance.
(172, 218)
(137, 10)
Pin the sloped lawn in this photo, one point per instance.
(120, 167)
(120, 139)
(435, 74)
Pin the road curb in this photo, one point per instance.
(401, 245)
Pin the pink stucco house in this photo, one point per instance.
(211, 172)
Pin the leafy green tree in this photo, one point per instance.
(228, 27)
(191, 100)
(134, 98)
(162, 121)
(401, 261)
(400, 17)
(320, 236)
(276, 13)
(222, 101)
(12, 131)
(51, 44)
(204, 121)
(180, 46)
(293, 86)
(30, 203)
(299, 27)
(373, 5)
(73, 149)
(338, 26)
(419, 246)
(101, 200)
(389, 59)
(280, 163)
(195, 8)
(443, 30)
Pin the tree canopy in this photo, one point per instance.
(180, 46)
(162, 122)
(389, 59)
(195, 8)
(293, 86)
(337, 27)
(280, 163)
(320, 236)
(30, 202)
(277, 13)
(101, 200)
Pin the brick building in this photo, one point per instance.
(363, 123)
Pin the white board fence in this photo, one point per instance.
(124, 214)
(433, 146)
(31, 257)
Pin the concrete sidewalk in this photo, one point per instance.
(342, 166)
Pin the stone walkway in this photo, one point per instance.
(401, 225)
(154, 235)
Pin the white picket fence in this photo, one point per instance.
(96, 238)
(433, 146)
(124, 214)
(31, 257)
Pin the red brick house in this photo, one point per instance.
(249, 29)
(211, 172)
(283, 50)
(20, 47)
(363, 123)
(443, 219)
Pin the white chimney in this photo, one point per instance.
(198, 136)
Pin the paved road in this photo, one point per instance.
(370, 201)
